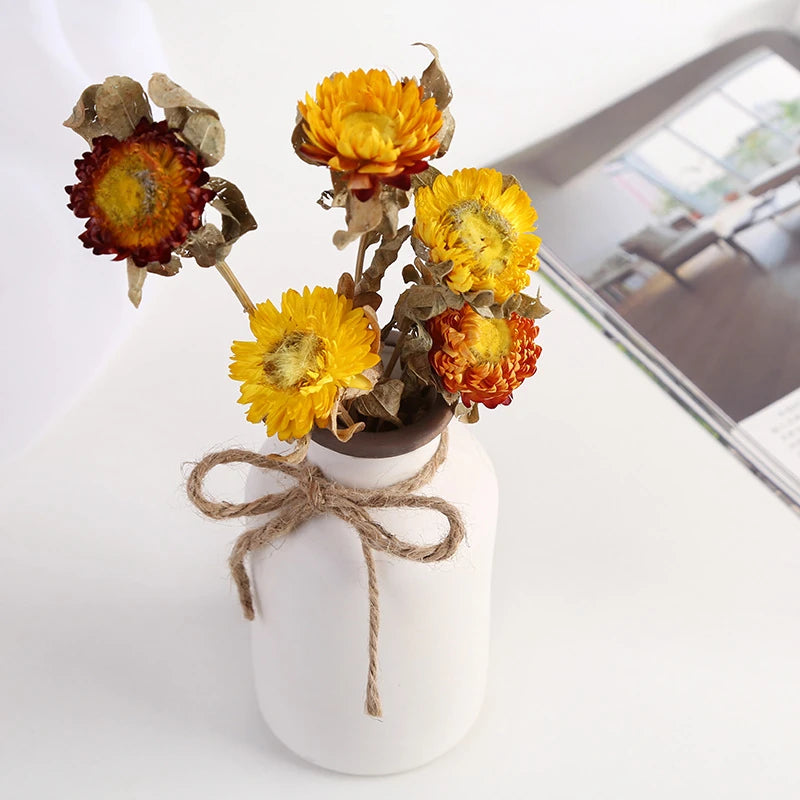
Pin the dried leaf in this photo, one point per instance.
(84, 115)
(510, 180)
(383, 402)
(136, 276)
(420, 302)
(392, 200)
(346, 286)
(383, 257)
(168, 95)
(373, 374)
(361, 217)
(372, 321)
(166, 270)
(440, 270)
(371, 299)
(410, 274)
(478, 300)
(197, 122)
(445, 134)
(522, 304)
(120, 104)
(434, 82)
(340, 191)
(206, 245)
(325, 199)
(346, 434)
(467, 415)
(204, 132)
(296, 456)
(236, 217)
(299, 138)
(421, 249)
(415, 356)
(425, 178)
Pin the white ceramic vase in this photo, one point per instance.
(310, 633)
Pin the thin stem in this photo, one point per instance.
(404, 329)
(387, 329)
(238, 289)
(362, 251)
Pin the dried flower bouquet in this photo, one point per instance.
(462, 328)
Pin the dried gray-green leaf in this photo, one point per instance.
(382, 259)
(445, 134)
(204, 132)
(434, 82)
(346, 286)
(440, 270)
(136, 276)
(410, 274)
(373, 375)
(425, 178)
(372, 322)
(340, 191)
(299, 138)
(467, 415)
(83, 119)
(400, 198)
(172, 267)
(361, 217)
(120, 104)
(207, 245)
(371, 299)
(421, 249)
(335, 197)
(421, 302)
(418, 365)
(392, 200)
(525, 306)
(433, 274)
(510, 180)
(383, 402)
(236, 217)
(167, 94)
(481, 299)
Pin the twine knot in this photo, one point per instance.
(314, 494)
(313, 488)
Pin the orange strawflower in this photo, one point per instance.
(482, 359)
(370, 129)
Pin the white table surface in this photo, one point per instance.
(645, 624)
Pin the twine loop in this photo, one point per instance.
(313, 494)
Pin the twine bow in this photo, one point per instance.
(314, 494)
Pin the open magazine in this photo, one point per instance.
(672, 219)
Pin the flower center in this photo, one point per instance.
(485, 232)
(296, 361)
(368, 133)
(141, 193)
(489, 340)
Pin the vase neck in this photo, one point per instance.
(370, 473)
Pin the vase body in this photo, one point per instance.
(310, 633)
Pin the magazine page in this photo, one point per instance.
(673, 220)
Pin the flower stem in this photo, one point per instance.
(404, 329)
(238, 289)
(362, 251)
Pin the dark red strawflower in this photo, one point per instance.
(142, 195)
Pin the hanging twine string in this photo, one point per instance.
(314, 494)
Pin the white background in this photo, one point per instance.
(646, 640)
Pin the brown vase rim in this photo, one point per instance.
(395, 442)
